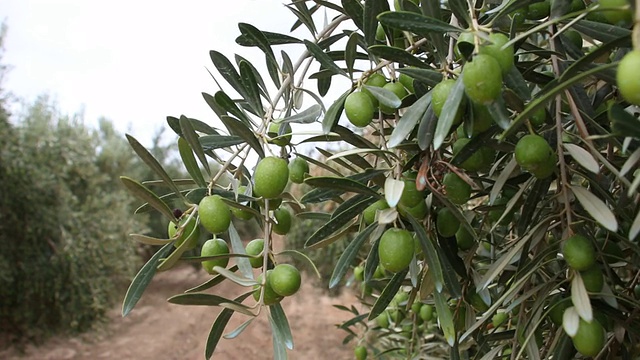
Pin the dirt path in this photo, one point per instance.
(159, 330)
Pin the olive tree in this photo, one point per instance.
(480, 165)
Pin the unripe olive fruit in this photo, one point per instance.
(359, 109)
(369, 214)
(191, 232)
(270, 296)
(283, 218)
(396, 88)
(274, 130)
(482, 78)
(214, 213)
(396, 249)
(628, 77)
(298, 168)
(447, 224)
(255, 248)
(494, 48)
(534, 154)
(285, 279)
(456, 189)
(213, 247)
(270, 177)
(578, 252)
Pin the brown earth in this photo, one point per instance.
(157, 329)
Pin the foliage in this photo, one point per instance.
(63, 261)
(516, 213)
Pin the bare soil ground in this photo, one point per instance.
(159, 330)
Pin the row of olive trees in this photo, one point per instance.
(64, 218)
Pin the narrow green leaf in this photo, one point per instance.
(427, 76)
(212, 142)
(148, 240)
(319, 163)
(340, 183)
(596, 208)
(445, 318)
(350, 51)
(634, 230)
(373, 258)
(153, 164)
(166, 198)
(328, 155)
(498, 266)
(236, 127)
(394, 54)
(387, 294)
(415, 23)
(323, 194)
(345, 260)
(240, 280)
(350, 202)
(516, 82)
(211, 282)
(384, 96)
(333, 113)
(588, 60)
(174, 124)
(192, 139)
(237, 331)
(623, 123)
(142, 280)
(263, 87)
(580, 298)
(324, 83)
(330, 5)
(352, 152)
(448, 114)
(279, 347)
(228, 106)
(542, 99)
(271, 37)
(460, 9)
(499, 113)
(218, 326)
(228, 72)
(583, 157)
(238, 248)
(323, 58)
(409, 120)
(307, 116)
(435, 269)
(336, 223)
(198, 299)
(355, 10)
(427, 128)
(304, 15)
(281, 324)
(372, 8)
(190, 163)
(253, 91)
(149, 196)
(601, 31)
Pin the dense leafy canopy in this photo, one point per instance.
(484, 233)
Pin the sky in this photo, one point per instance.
(133, 62)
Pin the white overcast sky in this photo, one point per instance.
(134, 62)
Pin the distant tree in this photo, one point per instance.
(64, 218)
